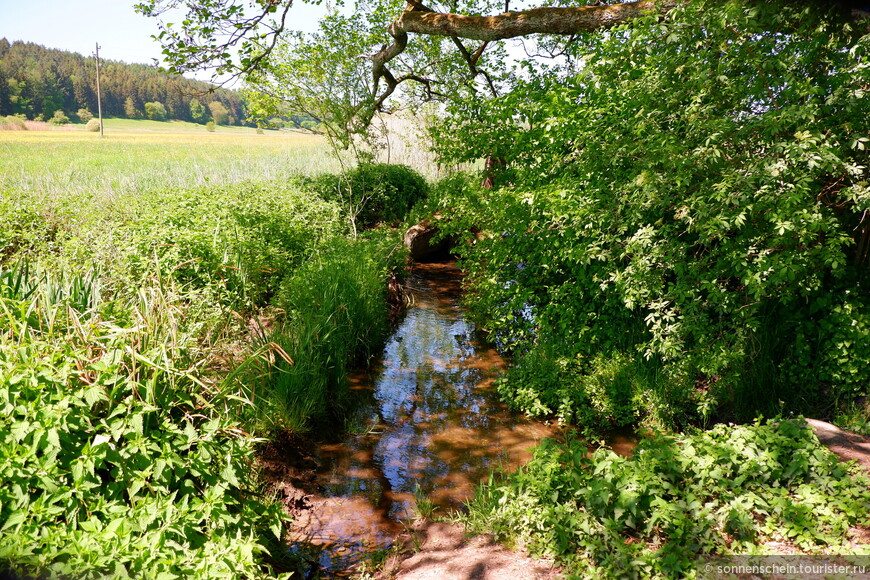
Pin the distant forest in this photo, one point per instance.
(36, 82)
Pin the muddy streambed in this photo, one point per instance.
(432, 427)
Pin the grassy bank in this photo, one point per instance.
(133, 377)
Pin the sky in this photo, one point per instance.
(77, 25)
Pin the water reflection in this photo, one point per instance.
(433, 423)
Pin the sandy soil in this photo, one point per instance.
(847, 446)
(440, 551)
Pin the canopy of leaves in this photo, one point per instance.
(692, 192)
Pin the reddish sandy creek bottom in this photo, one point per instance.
(429, 426)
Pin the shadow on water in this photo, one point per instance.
(431, 423)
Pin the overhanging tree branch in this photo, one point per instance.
(420, 19)
(547, 20)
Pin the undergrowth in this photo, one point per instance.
(131, 384)
(723, 491)
(335, 319)
(116, 451)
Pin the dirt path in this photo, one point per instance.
(440, 551)
(847, 446)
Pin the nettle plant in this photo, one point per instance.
(692, 190)
(723, 491)
(119, 457)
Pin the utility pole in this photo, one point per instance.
(99, 97)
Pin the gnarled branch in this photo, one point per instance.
(420, 19)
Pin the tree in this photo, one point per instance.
(219, 113)
(198, 112)
(155, 111)
(84, 115)
(689, 208)
(213, 27)
(130, 110)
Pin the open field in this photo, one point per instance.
(51, 163)
(145, 126)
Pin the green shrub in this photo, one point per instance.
(717, 492)
(59, 118)
(156, 111)
(84, 115)
(13, 123)
(718, 206)
(93, 126)
(240, 240)
(374, 193)
(117, 461)
(210, 127)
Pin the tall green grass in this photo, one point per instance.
(58, 164)
(336, 318)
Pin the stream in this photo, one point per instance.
(432, 427)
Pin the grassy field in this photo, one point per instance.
(145, 126)
(50, 163)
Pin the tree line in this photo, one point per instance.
(36, 82)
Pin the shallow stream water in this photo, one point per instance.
(433, 427)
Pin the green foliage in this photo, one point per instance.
(235, 242)
(374, 193)
(219, 113)
(84, 115)
(130, 110)
(59, 118)
(117, 458)
(198, 112)
(336, 318)
(93, 126)
(319, 76)
(125, 444)
(13, 122)
(210, 127)
(35, 80)
(239, 241)
(855, 418)
(690, 194)
(156, 111)
(716, 492)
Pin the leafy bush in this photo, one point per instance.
(210, 126)
(651, 515)
(59, 118)
(156, 111)
(12, 123)
(117, 460)
(93, 126)
(219, 113)
(703, 177)
(84, 115)
(374, 193)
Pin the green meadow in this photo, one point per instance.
(131, 158)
